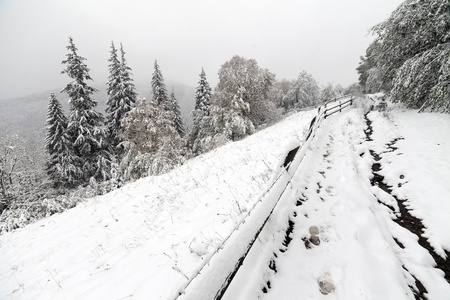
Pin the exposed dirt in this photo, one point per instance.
(405, 218)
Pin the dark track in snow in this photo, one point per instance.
(405, 218)
(310, 240)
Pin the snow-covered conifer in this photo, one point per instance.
(159, 88)
(57, 145)
(56, 125)
(175, 109)
(201, 127)
(221, 125)
(203, 94)
(129, 90)
(85, 129)
(213, 125)
(121, 92)
(113, 103)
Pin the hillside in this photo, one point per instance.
(337, 233)
(26, 116)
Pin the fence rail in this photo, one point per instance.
(338, 104)
(295, 155)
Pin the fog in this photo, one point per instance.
(323, 37)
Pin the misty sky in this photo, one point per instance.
(323, 37)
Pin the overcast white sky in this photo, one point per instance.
(323, 37)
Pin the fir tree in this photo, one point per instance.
(200, 115)
(129, 90)
(85, 128)
(55, 142)
(56, 125)
(122, 95)
(62, 165)
(113, 90)
(159, 88)
(164, 102)
(203, 94)
(220, 125)
(175, 109)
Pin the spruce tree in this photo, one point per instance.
(128, 90)
(113, 88)
(54, 141)
(121, 92)
(56, 125)
(159, 88)
(85, 128)
(62, 165)
(201, 125)
(203, 94)
(176, 119)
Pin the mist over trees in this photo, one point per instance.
(410, 57)
(87, 154)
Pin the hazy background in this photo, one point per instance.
(323, 37)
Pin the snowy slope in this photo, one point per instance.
(147, 237)
(337, 233)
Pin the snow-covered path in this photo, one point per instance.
(339, 235)
(329, 240)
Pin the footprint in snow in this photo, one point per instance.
(324, 233)
(326, 284)
(330, 190)
(314, 232)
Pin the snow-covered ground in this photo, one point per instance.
(333, 238)
(333, 235)
(143, 239)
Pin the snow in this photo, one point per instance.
(355, 248)
(152, 227)
(151, 238)
(424, 164)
